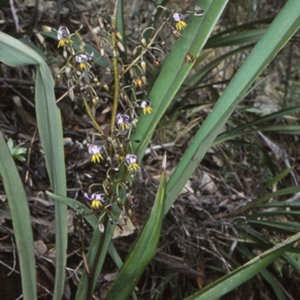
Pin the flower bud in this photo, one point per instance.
(71, 94)
(118, 35)
(46, 28)
(96, 101)
(68, 70)
(120, 46)
(144, 79)
(57, 78)
(143, 66)
(106, 87)
(144, 42)
(115, 53)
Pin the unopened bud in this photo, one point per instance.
(57, 78)
(144, 79)
(176, 33)
(101, 227)
(46, 28)
(115, 53)
(82, 46)
(68, 70)
(143, 66)
(96, 101)
(120, 46)
(134, 122)
(71, 94)
(118, 35)
(106, 87)
(144, 42)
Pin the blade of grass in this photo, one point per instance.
(280, 204)
(232, 280)
(238, 38)
(274, 213)
(283, 28)
(175, 70)
(196, 78)
(284, 227)
(247, 25)
(92, 220)
(255, 203)
(143, 249)
(15, 53)
(21, 220)
(269, 277)
(238, 130)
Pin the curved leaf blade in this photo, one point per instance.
(15, 53)
(21, 220)
(242, 274)
(142, 251)
(283, 28)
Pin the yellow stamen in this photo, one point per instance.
(180, 25)
(96, 158)
(96, 204)
(133, 167)
(147, 110)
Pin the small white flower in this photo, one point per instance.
(96, 199)
(123, 121)
(63, 35)
(177, 17)
(131, 161)
(146, 106)
(95, 152)
(83, 60)
(179, 20)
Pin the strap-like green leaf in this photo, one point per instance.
(276, 36)
(176, 69)
(21, 220)
(142, 251)
(15, 53)
(242, 274)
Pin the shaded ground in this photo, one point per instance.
(196, 234)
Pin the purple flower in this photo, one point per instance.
(96, 199)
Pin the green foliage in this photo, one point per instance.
(14, 53)
(21, 219)
(17, 152)
(122, 153)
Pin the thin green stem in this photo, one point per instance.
(146, 48)
(88, 111)
(98, 253)
(115, 68)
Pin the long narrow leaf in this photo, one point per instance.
(286, 191)
(20, 213)
(244, 273)
(277, 35)
(176, 69)
(269, 277)
(142, 251)
(15, 53)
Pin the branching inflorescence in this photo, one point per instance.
(130, 99)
